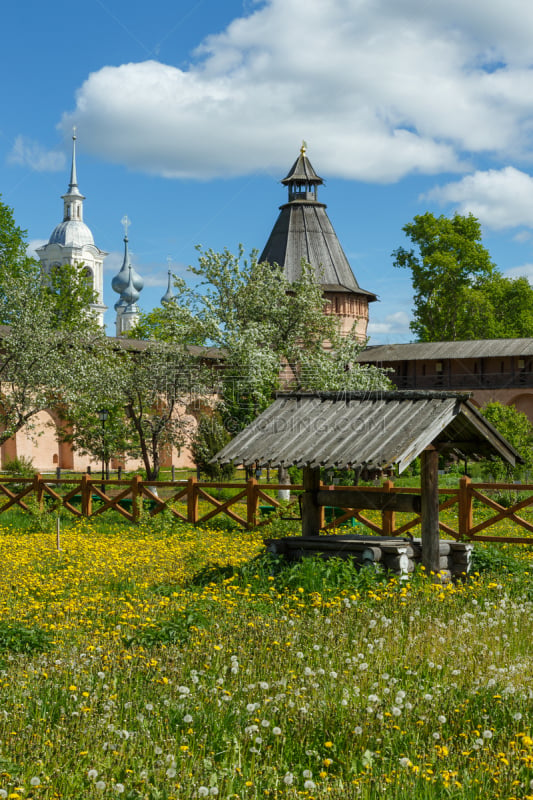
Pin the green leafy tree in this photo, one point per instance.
(51, 347)
(458, 292)
(175, 322)
(518, 430)
(151, 393)
(83, 430)
(450, 260)
(160, 386)
(271, 332)
(210, 437)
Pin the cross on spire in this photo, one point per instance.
(126, 222)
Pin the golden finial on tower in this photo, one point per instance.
(303, 148)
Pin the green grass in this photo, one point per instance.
(172, 662)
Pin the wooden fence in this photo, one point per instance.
(252, 503)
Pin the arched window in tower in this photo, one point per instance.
(88, 276)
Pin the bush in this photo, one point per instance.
(210, 437)
(21, 467)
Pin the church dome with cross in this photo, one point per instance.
(128, 284)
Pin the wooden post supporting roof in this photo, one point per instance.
(429, 488)
(312, 514)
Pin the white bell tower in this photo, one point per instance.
(72, 242)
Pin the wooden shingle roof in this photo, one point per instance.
(422, 351)
(364, 430)
(303, 231)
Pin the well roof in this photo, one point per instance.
(364, 430)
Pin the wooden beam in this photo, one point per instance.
(312, 513)
(429, 486)
(380, 501)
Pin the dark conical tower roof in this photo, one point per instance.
(303, 231)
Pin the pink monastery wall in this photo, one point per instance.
(40, 445)
(521, 399)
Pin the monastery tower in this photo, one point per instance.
(303, 231)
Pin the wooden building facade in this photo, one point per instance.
(492, 369)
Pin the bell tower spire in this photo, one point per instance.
(72, 242)
(73, 177)
(73, 199)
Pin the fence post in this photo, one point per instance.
(38, 489)
(192, 499)
(86, 496)
(465, 507)
(252, 502)
(136, 497)
(388, 518)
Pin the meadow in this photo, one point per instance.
(167, 662)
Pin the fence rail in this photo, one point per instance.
(195, 502)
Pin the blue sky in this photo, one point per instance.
(189, 113)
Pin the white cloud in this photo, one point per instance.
(33, 244)
(113, 261)
(525, 271)
(498, 198)
(30, 153)
(397, 323)
(157, 278)
(378, 88)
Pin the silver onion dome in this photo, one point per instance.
(121, 280)
(168, 297)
